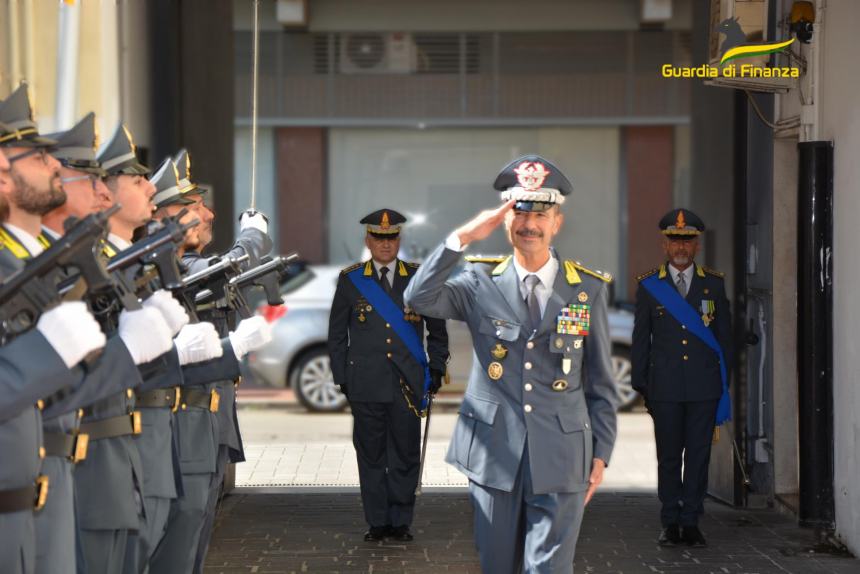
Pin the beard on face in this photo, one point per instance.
(27, 198)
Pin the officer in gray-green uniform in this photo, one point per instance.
(253, 241)
(537, 424)
(198, 418)
(109, 483)
(114, 369)
(38, 363)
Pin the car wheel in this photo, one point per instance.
(622, 371)
(314, 384)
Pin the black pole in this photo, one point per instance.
(814, 333)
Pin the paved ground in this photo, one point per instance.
(287, 447)
(322, 533)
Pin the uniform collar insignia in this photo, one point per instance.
(571, 274)
(662, 272)
(500, 268)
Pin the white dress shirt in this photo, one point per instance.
(546, 275)
(121, 243)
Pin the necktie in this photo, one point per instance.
(682, 285)
(532, 301)
(386, 286)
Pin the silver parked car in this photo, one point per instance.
(297, 355)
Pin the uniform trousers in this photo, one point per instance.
(387, 437)
(18, 546)
(683, 432)
(212, 506)
(104, 551)
(520, 531)
(153, 528)
(55, 523)
(178, 546)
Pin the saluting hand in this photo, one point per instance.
(483, 224)
(597, 467)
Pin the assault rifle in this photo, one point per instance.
(36, 288)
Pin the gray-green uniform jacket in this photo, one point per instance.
(519, 389)
(256, 245)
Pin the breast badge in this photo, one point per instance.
(499, 352)
(559, 385)
(583, 297)
(495, 370)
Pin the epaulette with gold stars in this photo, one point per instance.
(351, 268)
(714, 272)
(647, 274)
(602, 275)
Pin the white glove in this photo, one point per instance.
(253, 220)
(250, 334)
(198, 342)
(145, 334)
(72, 331)
(174, 314)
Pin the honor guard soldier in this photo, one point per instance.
(202, 428)
(252, 333)
(537, 424)
(115, 370)
(681, 355)
(109, 483)
(39, 362)
(376, 344)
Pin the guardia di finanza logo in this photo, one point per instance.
(736, 47)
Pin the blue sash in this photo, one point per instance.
(393, 315)
(685, 314)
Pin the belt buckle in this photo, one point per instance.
(177, 397)
(214, 401)
(41, 492)
(82, 443)
(237, 382)
(136, 425)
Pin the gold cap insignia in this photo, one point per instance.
(385, 222)
(680, 223)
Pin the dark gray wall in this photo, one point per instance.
(191, 43)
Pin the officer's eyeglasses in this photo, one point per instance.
(40, 151)
(93, 179)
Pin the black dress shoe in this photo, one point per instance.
(692, 536)
(401, 534)
(376, 533)
(670, 536)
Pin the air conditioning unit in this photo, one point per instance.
(377, 53)
(739, 23)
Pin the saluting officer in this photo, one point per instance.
(376, 344)
(681, 355)
(39, 362)
(537, 423)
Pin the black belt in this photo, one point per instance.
(115, 426)
(70, 446)
(202, 399)
(164, 398)
(32, 497)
